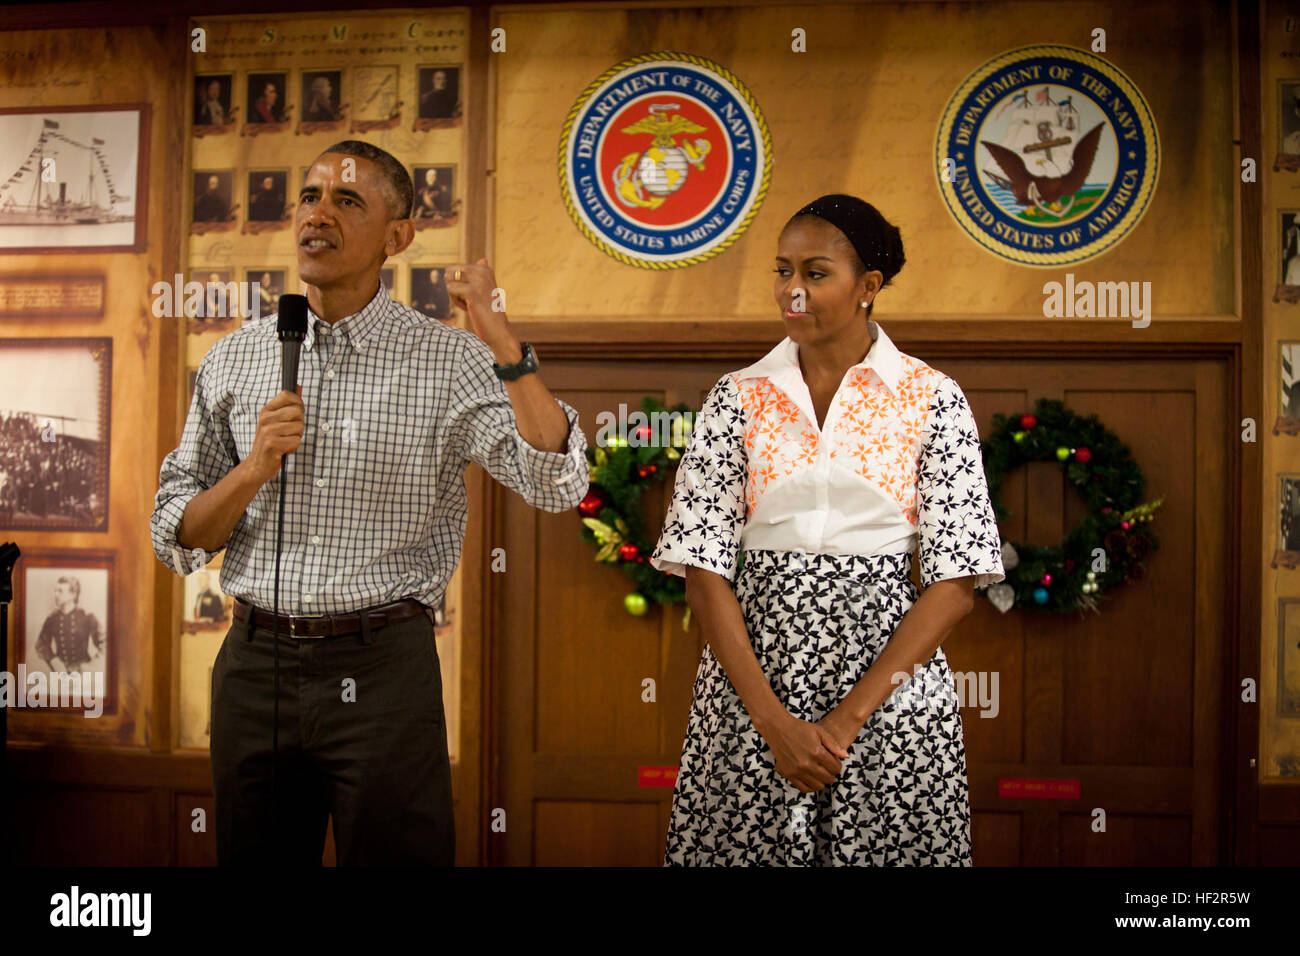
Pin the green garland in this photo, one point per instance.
(619, 474)
(1072, 575)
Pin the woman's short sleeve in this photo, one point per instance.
(707, 513)
(957, 527)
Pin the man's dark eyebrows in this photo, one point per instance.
(307, 191)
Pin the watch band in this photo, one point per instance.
(508, 373)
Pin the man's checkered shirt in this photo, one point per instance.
(396, 404)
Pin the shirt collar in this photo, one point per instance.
(781, 365)
(358, 328)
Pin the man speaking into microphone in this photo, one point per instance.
(389, 408)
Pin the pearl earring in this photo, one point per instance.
(864, 305)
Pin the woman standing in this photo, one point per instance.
(828, 463)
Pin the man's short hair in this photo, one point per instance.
(401, 192)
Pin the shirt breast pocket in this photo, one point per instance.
(395, 433)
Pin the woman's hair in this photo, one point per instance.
(873, 243)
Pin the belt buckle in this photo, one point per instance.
(295, 618)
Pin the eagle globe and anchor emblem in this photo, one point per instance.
(661, 169)
(664, 160)
(1047, 155)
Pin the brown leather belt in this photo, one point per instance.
(330, 625)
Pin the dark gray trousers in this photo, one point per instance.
(377, 764)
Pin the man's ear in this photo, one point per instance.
(401, 233)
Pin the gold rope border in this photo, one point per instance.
(1145, 117)
(738, 229)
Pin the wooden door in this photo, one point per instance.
(1129, 703)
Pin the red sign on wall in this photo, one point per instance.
(1045, 789)
(656, 776)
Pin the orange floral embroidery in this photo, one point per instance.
(875, 429)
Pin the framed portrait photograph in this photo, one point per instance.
(74, 179)
(65, 625)
(321, 94)
(429, 293)
(54, 433)
(266, 100)
(214, 110)
(206, 607)
(213, 208)
(435, 190)
(438, 101)
(270, 286)
(268, 195)
(220, 307)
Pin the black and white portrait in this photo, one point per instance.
(64, 612)
(206, 607)
(439, 92)
(54, 433)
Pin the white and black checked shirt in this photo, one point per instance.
(396, 404)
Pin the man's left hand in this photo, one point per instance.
(474, 292)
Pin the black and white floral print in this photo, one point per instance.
(817, 622)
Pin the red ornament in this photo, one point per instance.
(640, 559)
(627, 551)
(1124, 525)
(1107, 509)
(591, 503)
(1082, 455)
(645, 470)
(1069, 564)
(1028, 421)
(643, 432)
(1047, 578)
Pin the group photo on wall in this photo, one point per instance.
(607, 438)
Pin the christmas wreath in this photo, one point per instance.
(620, 469)
(1110, 544)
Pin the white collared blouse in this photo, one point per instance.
(896, 469)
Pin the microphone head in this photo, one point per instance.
(291, 322)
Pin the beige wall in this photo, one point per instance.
(858, 113)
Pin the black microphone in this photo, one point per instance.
(291, 326)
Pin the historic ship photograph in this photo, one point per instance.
(76, 173)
